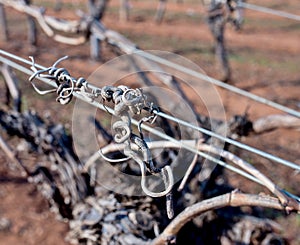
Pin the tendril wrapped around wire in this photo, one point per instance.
(127, 102)
(66, 85)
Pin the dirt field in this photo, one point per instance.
(264, 57)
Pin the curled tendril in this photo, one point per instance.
(150, 119)
(37, 74)
(127, 102)
(112, 160)
(134, 99)
(107, 93)
(131, 101)
(122, 131)
(66, 85)
(166, 172)
(35, 70)
(59, 60)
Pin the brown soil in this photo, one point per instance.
(264, 57)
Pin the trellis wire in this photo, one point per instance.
(144, 126)
(205, 131)
(151, 130)
(269, 11)
(217, 82)
(231, 141)
(194, 74)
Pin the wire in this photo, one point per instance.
(192, 73)
(146, 127)
(18, 58)
(217, 82)
(231, 141)
(269, 11)
(205, 131)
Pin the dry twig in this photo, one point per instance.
(286, 201)
(275, 121)
(233, 199)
